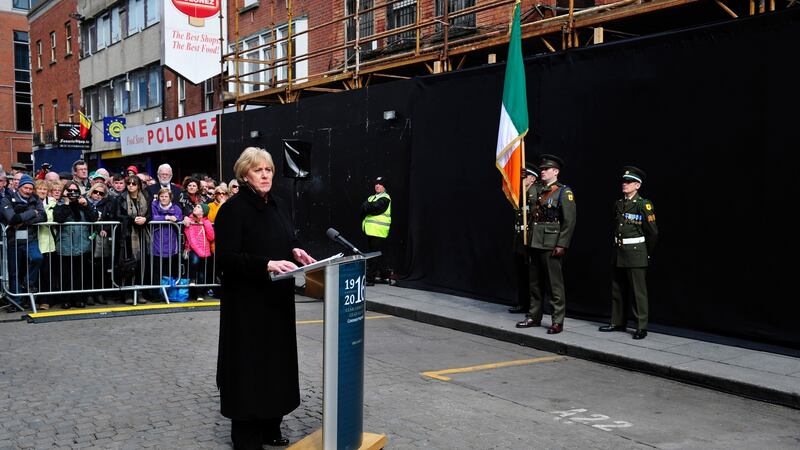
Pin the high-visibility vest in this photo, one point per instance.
(378, 225)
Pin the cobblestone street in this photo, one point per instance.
(148, 381)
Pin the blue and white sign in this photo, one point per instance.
(351, 355)
(343, 384)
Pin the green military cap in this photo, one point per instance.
(632, 173)
(531, 169)
(548, 161)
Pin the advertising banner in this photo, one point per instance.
(189, 131)
(112, 128)
(192, 32)
(69, 136)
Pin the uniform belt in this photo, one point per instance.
(625, 241)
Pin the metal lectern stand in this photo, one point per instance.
(343, 356)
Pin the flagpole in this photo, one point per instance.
(524, 199)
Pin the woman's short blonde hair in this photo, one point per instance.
(97, 187)
(165, 190)
(39, 183)
(251, 157)
(53, 185)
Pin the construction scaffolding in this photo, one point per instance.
(399, 39)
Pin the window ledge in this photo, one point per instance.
(244, 9)
(53, 62)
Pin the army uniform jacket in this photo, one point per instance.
(635, 233)
(554, 216)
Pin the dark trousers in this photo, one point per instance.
(251, 434)
(547, 277)
(377, 266)
(625, 283)
(523, 280)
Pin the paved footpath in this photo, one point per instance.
(761, 375)
(148, 382)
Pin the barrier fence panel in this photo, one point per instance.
(73, 262)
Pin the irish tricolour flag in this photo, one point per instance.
(513, 116)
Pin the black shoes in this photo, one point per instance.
(517, 310)
(555, 328)
(528, 323)
(277, 442)
(640, 334)
(607, 328)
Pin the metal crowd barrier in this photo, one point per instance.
(93, 258)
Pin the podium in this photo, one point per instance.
(343, 356)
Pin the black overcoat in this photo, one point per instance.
(257, 363)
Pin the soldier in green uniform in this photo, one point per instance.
(635, 238)
(529, 176)
(550, 231)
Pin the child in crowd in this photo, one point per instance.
(199, 236)
(165, 236)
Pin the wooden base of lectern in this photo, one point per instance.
(313, 441)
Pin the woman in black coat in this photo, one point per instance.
(257, 371)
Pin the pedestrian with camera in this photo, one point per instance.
(73, 244)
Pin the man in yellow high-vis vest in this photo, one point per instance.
(377, 219)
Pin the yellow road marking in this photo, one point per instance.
(306, 322)
(439, 374)
(140, 307)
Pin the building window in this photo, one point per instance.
(88, 39)
(154, 86)
(68, 37)
(55, 114)
(118, 88)
(22, 4)
(248, 3)
(103, 31)
(208, 94)
(135, 16)
(153, 12)
(38, 54)
(466, 21)
(52, 46)
(181, 97)
(70, 108)
(366, 26)
(115, 30)
(41, 121)
(91, 105)
(398, 15)
(22, 82)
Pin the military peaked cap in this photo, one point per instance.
(633, 174)
(551, 161)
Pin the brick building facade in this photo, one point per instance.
(15, 100)
(54, 66)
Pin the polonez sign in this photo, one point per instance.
(191, 131)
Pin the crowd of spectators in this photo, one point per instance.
(151, 231)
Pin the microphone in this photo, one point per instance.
(335, 236)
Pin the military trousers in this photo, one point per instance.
(629, 282)
(546, 277)
(521, 265)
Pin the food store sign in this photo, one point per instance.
(190, 131)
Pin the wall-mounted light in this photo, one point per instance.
(389, 115)
(255, 134)
(127, 83)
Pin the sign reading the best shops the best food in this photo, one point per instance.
(192, 31)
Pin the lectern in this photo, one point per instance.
(343, 356)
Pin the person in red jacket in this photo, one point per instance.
(199, 236)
